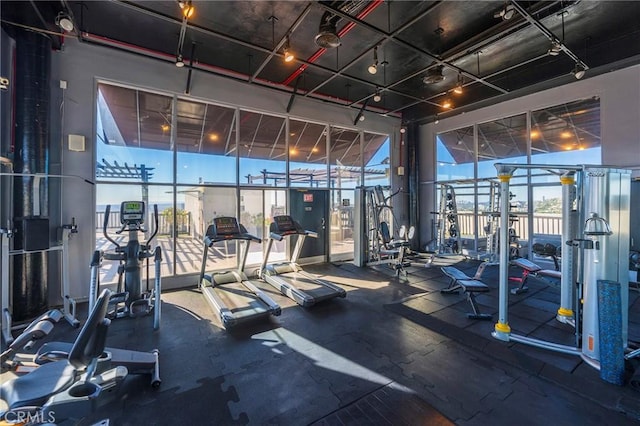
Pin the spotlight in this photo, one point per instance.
(555, 48)
(327, 36)
(447, 104)
(458, 89)
(578, 71)
(361, 118)
(288, 56)
(377, 97)
(187, 8)
(179, 62)
(63, 20)
(434, 75)
(402, 130)
(505, 13)
(373, 68)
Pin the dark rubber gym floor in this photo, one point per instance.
(394, 352)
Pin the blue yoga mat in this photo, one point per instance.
(610, 332)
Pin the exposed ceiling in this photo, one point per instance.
(416, 42)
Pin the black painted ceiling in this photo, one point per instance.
(491, 57)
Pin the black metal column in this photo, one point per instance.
(413, 173)
(31, 155)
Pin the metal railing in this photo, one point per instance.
(165, 222)
(549, 224)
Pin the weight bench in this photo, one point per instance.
(469, 286)
(530, 268)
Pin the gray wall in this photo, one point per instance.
(81, 65)
(619, 93)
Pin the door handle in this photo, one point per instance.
(322, 223)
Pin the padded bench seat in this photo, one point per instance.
(530, 268)
(469, 286)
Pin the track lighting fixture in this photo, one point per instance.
(434, 75)
(64, 21)
(458, 89)
(286, 50)
(555, 48)
(447, 104)
(578, 71)
(187, 8)
(179, 61)
(505, 13)
(377, 97)
(373, 68)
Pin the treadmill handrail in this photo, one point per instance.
(209, 241)
(279, 237)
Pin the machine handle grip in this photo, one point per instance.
(155, 223)
(276, 237)
(253, 238)
(107, 213)
(311, 234)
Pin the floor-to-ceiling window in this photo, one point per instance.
(197, 160)
(566, 134)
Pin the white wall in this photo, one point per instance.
(619, 93)
(81, 65)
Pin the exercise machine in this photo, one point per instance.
(448, 239)
(530, 268)
(39, 245)
(71, 387)
(600, 196)
(374, 243)
(130, 300)
(136, 362)
(36, 330)
(288, 277)
(230, 293)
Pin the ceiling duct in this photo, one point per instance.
(327, 36)
(434, 75)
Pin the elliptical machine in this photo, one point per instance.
(130, 300)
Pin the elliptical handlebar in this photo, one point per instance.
(393, 194)
(105, 223)
(155, 224)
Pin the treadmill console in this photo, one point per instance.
(132, 212)
(285, 225)
(225, 227)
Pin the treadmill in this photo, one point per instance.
(288, 277)
(236, 299)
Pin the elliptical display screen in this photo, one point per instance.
(226, 226)
(132, 212)
(284, 224)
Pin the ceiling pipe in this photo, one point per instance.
(212, 69)
(397, 31)
(363, 14)
(307, 63)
